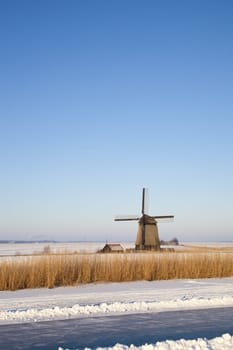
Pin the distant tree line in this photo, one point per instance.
(173, 241)
(5, 241)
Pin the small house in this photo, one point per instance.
(112, 248)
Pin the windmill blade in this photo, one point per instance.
(144, 200)
(126, 218)
(163, 218)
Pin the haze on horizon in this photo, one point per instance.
(100, 99)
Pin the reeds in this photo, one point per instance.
(66, 270)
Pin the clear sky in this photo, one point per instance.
(100, 98)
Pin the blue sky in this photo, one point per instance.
(101, 98)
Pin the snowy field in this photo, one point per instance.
(18, 249)
(86, 301)
(114, 298)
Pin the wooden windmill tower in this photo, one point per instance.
(147, 235)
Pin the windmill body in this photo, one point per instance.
(147, 234)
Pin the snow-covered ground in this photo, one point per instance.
(18, 249)
(114, 298)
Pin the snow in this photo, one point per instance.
(17, 249)
(114, 299)
(113, 308)
(27, 249)
(225, 342)
(22, 249)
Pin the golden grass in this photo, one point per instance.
(66, 270)
(205, 249)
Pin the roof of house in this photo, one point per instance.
(114, 246)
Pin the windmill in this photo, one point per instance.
(147, 235)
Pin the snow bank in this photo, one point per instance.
(225, 342)
(113, 308)
(113, 298)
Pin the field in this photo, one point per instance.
(71, 281)
(53, 267)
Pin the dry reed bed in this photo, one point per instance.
(204, 249)
(66, 270)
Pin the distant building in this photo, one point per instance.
(112, 248)
(173, 241)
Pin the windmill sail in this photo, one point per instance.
(126, 217)
(144, 201)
